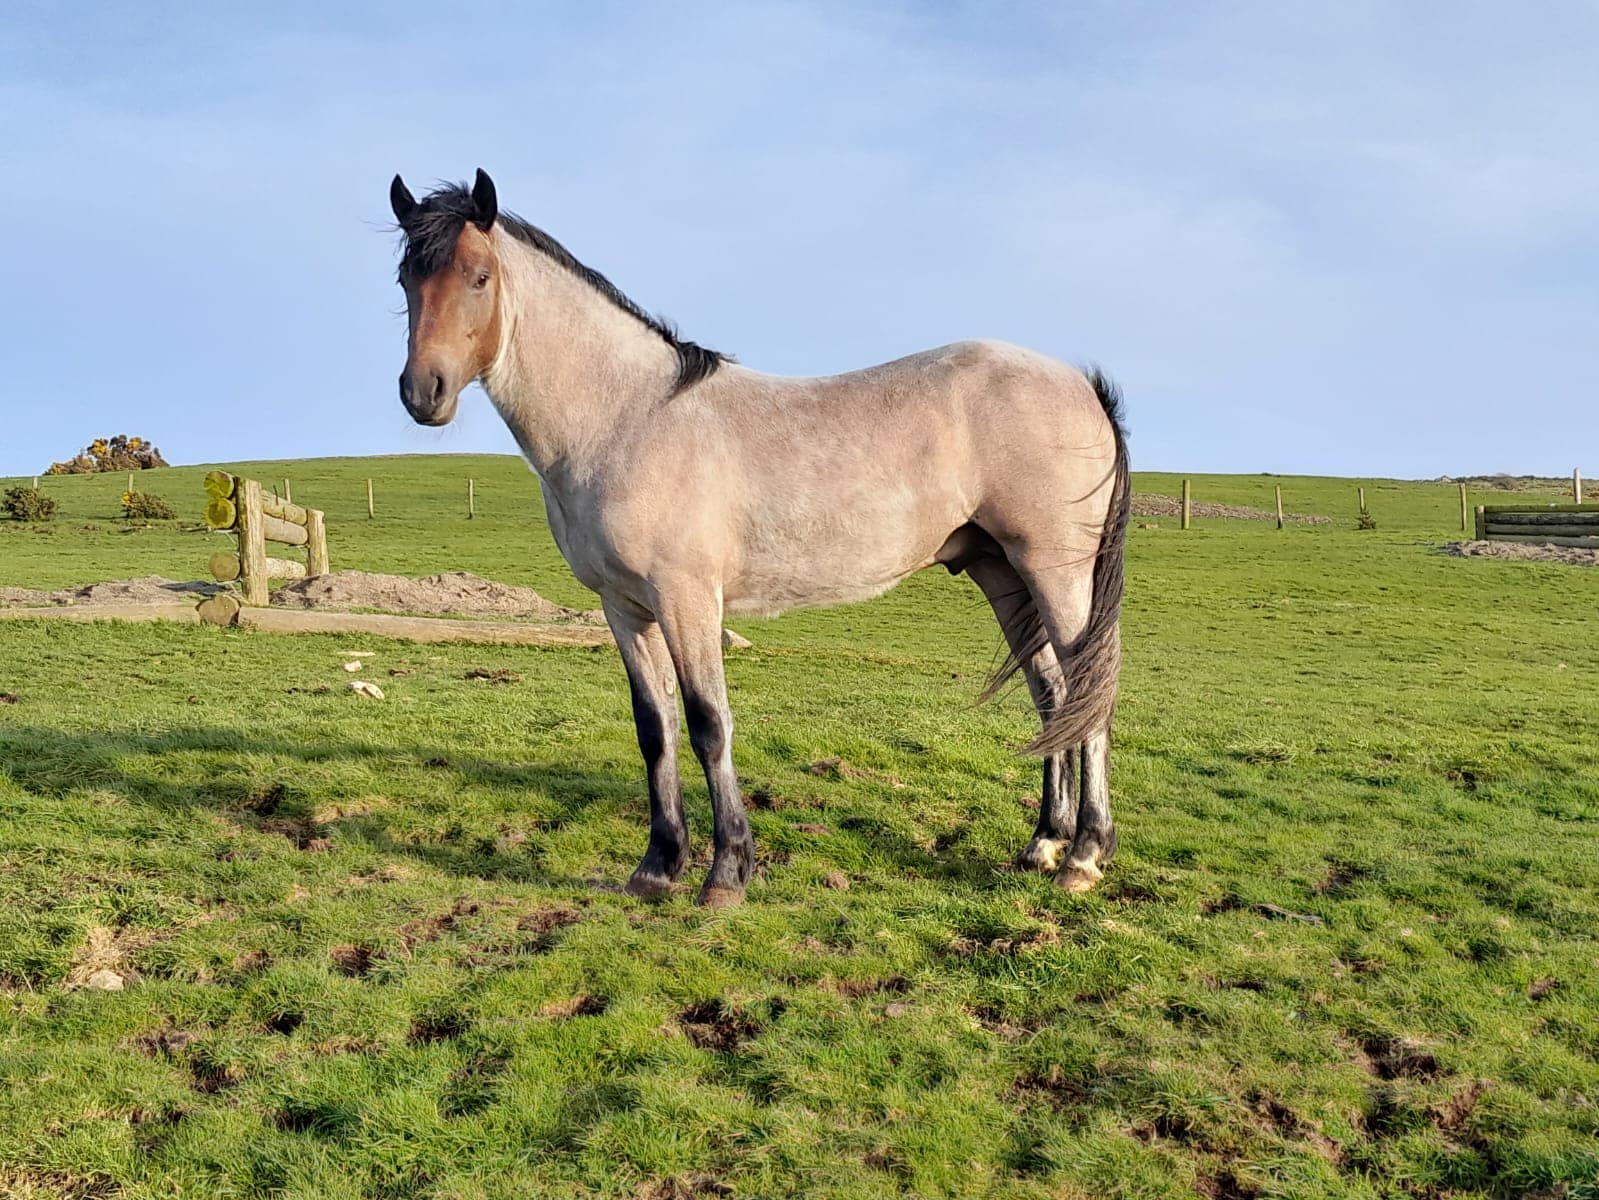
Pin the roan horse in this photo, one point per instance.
(681, 485)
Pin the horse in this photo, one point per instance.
(681, 485)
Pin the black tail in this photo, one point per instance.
(1091, 665)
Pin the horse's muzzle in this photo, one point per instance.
(428, 396)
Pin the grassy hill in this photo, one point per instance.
(374, 949)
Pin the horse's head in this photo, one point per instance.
(451, 278)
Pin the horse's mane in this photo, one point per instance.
(433, 229)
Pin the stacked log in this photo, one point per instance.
(1553, 524)
(255, 517)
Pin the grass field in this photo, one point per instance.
(377, 949)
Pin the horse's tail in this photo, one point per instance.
(1090, 665)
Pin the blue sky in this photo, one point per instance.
(1352, 238)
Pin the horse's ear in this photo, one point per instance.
(485, 203)
(401, 200)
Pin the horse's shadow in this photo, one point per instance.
(45, 762)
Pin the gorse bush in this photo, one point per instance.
(1367, 521)
(144, 505)
(29, 504)
(121, 453)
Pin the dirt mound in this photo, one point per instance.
(1170, 506)
(151, 589)
(454, 594)
(1523, 550)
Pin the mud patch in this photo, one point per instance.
(1398, 1058)
(577, 1006)
(547, 921)
(1043, 936)
(854, 989)
(437, 1027)
(431, 929)
(1053, 1087)
(352, 961)
(714, 1025)
(683, 1187)
(1340, 877)
(1524, 551)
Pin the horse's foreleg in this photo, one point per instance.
(692, 625)
(651, 680)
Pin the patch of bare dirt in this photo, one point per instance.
(1170, 506)
(431, 929)
(452, 594)
(576, 1006)
(354, 961)
(714, 1025)
(149, 589)
(1399, 1058)
(683, 1187)
(1525, 551)
(103, 961)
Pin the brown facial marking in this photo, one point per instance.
(455, 328)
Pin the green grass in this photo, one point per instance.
(390, 937)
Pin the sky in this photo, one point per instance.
(1359, 238)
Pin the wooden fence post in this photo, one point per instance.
(1188, 505)
(1576, 485)
(316, 545)
(368, 499)
(1279, 506)
(252, 546)
(1482, 523)
(471, 499)
(287, 495)
(1362, 499)
(1463, 525)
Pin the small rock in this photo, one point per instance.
(836, 880)
(362, 688)
(896, 1010)
(104, 980)
(353, 665)
(733, 641)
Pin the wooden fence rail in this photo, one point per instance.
(239, 506)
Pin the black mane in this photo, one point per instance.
(433, 229)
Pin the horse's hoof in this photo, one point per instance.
(721, 897)
(1041, 855)
(649, 887)
(1079, 877)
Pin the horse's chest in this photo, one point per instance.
(574, 548)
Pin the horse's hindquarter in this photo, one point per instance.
(846, 485)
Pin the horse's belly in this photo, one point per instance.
(835, 564)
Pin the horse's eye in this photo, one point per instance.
(482, 279)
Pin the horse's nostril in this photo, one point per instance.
(438, 388)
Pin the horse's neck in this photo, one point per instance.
(571, 365)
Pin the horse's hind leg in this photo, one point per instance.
(1064, 593)
(1013, 605)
